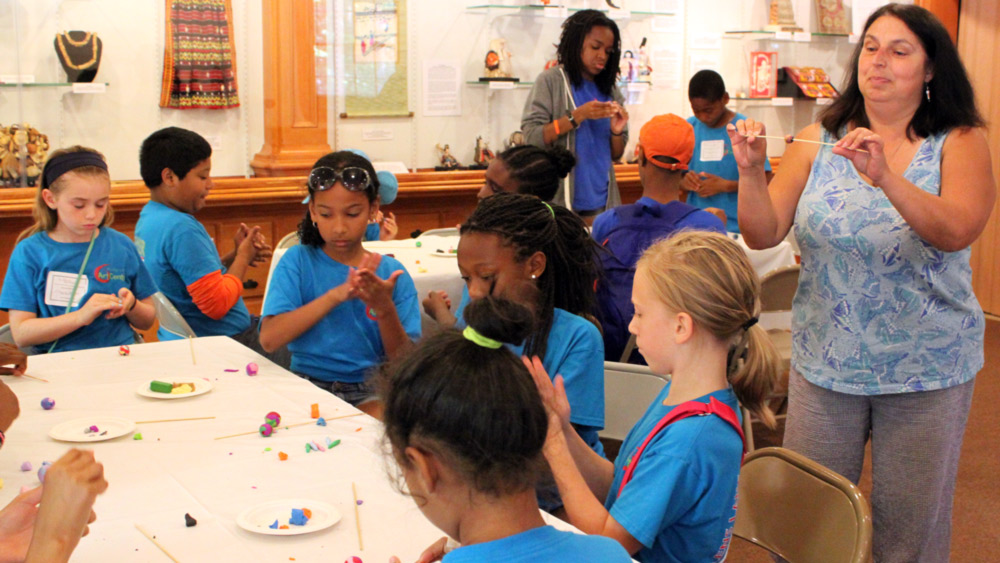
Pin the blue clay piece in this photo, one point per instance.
(274, 526)
(298, 517)
(42, 470)
(48, 403)
(321, 421)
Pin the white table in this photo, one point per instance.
(179, 468)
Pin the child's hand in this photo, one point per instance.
(263, 250)
(619, 119)
(691, 182)
(248, 247)
(11, 355)
(127, 299)
(436, 304)
(553, 395)
(17, 521)
(594, 110)
(373, 290)
(71, 485)
(240, 235)
(435, 552)
(389, 226)
(97, 304)
(709, 184)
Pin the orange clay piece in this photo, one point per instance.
(282, 527)
(357, 429)
(282, 456)
(308, 513)
(315, 410)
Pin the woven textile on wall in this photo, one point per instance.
(199, 61)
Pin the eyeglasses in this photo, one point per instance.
(353, 178)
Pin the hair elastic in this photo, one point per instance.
(750, 323)
(473, 335)
(67, 162)
(552, 211)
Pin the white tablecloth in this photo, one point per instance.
(179, 468)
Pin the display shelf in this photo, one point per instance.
(539, 8)
(763, 34)
(46, 84)
(486, 83)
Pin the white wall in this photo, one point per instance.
(132, 32)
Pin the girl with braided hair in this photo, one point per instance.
(527, 169)
(671, 494)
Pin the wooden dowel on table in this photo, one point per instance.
(290, 425)
(156, 543)
(174, 419)
(191, 342)
(35, 378)
(794, 140)
(357, 516)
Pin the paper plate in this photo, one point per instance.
(200, 388)
(444, 254)
(258, 518)
(108, 428)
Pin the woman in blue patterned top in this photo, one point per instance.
(887, 333)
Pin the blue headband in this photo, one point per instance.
(70, 161)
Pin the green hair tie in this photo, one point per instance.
(552, 211)
(473, 335)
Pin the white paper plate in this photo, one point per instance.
(444, 254)
(108, 428)
(258, 518)
(200, 388)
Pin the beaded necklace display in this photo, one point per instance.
(63, 38)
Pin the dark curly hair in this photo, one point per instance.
(530, 225)
(575, 30)
(952, 102)
(308, 233)
(475, 406)
(536, 170)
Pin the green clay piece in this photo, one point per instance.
(308, 447)
(267, 449)
(137, 436)
(419, 244)
(332, 444)
(161, 387)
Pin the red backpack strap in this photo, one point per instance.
(680, 412)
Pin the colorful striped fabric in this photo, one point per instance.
(199, 66)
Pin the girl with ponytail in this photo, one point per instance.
(671, 494)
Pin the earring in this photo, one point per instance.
(314, 225)
(927, 90)
(534, 276)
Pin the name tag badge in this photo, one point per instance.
(712, 151)
(59, 285)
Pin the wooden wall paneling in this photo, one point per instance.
(979, 45)
(947, 11)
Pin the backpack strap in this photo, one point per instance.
(680, 412)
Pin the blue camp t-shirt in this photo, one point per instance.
(372, 231)
(41, 274)
(681, 502)
(698, 221)
(724, 168)
(346, 343)
(593, 153)
(575, 350)
(178, 252)
(544, 545)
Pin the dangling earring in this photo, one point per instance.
(927, 91)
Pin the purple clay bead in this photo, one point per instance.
(42, 470)
(48, 403)
(252, 368)
(26, 466)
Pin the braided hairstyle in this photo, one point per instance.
(530, 225)
(538, 171)
(575, 30)
(308, 233)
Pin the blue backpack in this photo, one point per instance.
(637, 229)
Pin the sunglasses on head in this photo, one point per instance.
(353, 178)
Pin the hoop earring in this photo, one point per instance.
(927, 90)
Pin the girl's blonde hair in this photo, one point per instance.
(46, 218)
(709, 277)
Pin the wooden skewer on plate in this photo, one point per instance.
(191, 342)
(357, 516)
(35, 378)
(290, 425)
(174, 419)
(801, 141)
(151, 538)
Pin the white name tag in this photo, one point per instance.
(59, 285)
(712, 151)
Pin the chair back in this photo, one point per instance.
(170, 318)
(800, 510)
(7, 337)
(286, 242)
(778, 287)
(628, 391)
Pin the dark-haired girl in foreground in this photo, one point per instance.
(466, 427)
(341, 309)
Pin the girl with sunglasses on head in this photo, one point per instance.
(340, 309)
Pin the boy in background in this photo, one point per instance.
(714, 178)
(205, 288)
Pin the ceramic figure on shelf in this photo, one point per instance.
(483, 153)
(629, 66)
(763, 74)
(497, 61)
(515, 139)
(22, 153)
(644, 67)
(832, 16)
(448, 161)
(781, 17)
(79, 52)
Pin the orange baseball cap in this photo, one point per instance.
(667, 135)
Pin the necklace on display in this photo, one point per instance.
(69, 38)
(63, 38)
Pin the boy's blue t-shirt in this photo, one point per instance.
(544, 544)
(178, 252)
(346, 343)
(681, 502)
(724, 168)
(41, 274)
(698, 221)
(593, 153)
